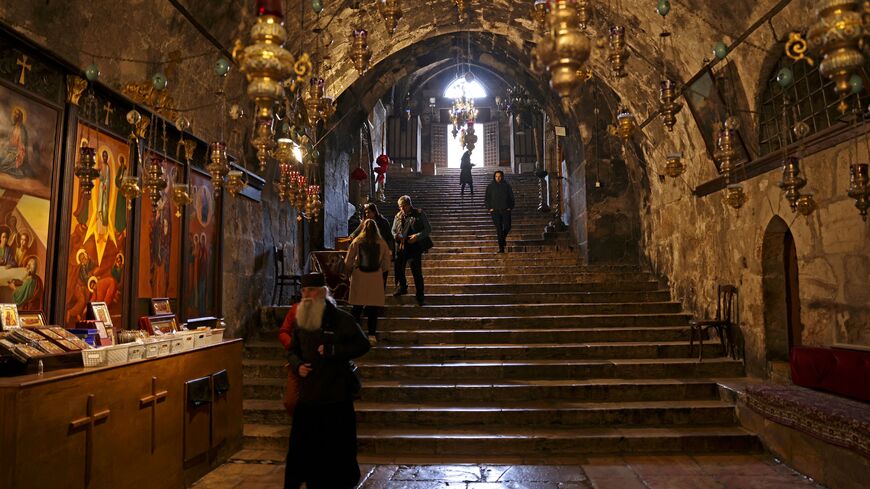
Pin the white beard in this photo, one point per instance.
(309, 314)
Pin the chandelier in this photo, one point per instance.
(517, 102)
(462, 113)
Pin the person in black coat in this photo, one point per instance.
(465, 173)
(500, 202)
(384, 227)
(411, 229)
(323, 442)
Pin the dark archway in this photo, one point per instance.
(782, 325)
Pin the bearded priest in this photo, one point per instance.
(323, 444)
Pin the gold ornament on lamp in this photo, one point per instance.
(564, 48)
(618, 53)
(236, 182)
(263, 142)
(626, 125)
(669, 106)
(86, 171)
(539, 14)
(734, 196)
(218, 166)
(391, 11)
(154, 183)
(837, 35)
(360, 53)
(675, 166)
(859, 187)
(265, 62)
(792, 181)
(180, 196)
(318, 107)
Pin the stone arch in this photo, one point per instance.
(782, 326)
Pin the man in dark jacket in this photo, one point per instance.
(500, 202)
(411, 229)
(465, 177)
(322, 452)
(371, 212)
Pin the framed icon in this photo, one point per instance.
(100, 312)
(31, 319)
(9, 317)
(164, 324)
(160, 306)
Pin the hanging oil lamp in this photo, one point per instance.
(154, 183)
(360, 53)
(625, 126)
(837, 35)
(130, 188)
(180, 197)
(792, 181)
(391, 10)
(265, 62)
(86, 171)
(584, 13)
(263, 142)
(806, 205)
(313, 204)
(674, 166)
(235, 182)
(565, 48)
(618, 53)
(734, 196)
(539, 14)
(859, 187)
(314, 100)
(669, 106)
(470, 137)
(218, 166)
(725, 153)
(460, 7)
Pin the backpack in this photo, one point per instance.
(369, 258)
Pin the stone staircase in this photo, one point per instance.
(525, 354)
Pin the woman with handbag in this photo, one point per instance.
(367, 259)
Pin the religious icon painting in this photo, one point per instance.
(200, 249)
(9, 317)
(160, 306)
(164, 324)
(159, 259)
(99, 311)
(29, 149)
(96, 262)
(31, 319)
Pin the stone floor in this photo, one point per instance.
(630, 472)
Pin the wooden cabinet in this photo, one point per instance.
(119, 427)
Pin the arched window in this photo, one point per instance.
(460, 87)
(811, 98)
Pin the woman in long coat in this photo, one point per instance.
(367, 259)
(465, 173)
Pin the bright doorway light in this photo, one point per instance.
(455, 149)
(460, 86)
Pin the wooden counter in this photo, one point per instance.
(126, 426)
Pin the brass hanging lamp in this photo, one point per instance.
(564, 47)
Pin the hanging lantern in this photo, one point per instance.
(470, 137)
(675, 166)
(625, 125)
(263, 142)
(539, 12)
(669, 106)
(154, 182)
(313, 204)
(86, 171)
(734, 196)
(218, 165)
(565, 48)
(265, 62)
(358, 175)
(584, 13)
(314, 101)
(618, 54)
(806, 204)
(181, 197)
(235, 182)
(359, 50)
(460, 6)
(725, 153)
(792, 181)
(837, 35)
(391, 10)
(859, 187)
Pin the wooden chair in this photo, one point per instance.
(282, 278)
(726, 307)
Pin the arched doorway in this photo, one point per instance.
(782, 324)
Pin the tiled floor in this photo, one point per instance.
(631, 472)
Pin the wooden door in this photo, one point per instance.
(439, 145)
(490, 144)
(792, 292)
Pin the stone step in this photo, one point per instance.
(526, 369)
(513, 246)
(481, 441)
(483, 323)
(502, 263)
(596, 390)
(526, 336)
(531, 310)
(508, 351)
(538, 298)
(465, 288)
(527, 277)
(528, 414)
